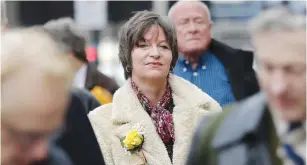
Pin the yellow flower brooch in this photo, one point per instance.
(133, 140)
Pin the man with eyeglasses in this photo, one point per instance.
(35, 93)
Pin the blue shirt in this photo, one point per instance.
(210, 76)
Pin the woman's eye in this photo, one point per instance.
(164, 47)
(143, 45)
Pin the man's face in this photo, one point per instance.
(33, 106)
(193, 27)
(281, 62)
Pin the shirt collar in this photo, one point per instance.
(181, 59)
(280, 125)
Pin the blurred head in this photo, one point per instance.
(147, 46)
(35, 82)
(67, 32)
(193, 26)
(280, 44)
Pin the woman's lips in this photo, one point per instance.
(154, 63)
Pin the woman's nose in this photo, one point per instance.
(154, 52)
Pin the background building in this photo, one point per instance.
(102, 20)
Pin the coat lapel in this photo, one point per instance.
(126, 115)
(187, 112)
(251, 116)
(257, 120)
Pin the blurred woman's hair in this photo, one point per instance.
(133, 31)
(32, 48)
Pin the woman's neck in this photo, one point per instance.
(152, 89)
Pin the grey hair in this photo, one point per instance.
(133, 31)
(66, 31)
(275, 20)
(171, 10)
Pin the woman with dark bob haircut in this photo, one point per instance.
(154, 114)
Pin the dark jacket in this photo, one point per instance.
(78, 139)
(57, 156)
(95, 77)
(75, 143)
(239, 68)
(246, 136)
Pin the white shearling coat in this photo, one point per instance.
(111, 122)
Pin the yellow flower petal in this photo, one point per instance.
(133, 139)
(137, 140)
(129, 146)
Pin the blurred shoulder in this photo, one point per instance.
(88, 101)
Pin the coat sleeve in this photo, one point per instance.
(197, 147)
(100, 121)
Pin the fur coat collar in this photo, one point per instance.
(112, 122)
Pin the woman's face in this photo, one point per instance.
(151, 58)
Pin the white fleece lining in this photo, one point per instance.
(112, 121)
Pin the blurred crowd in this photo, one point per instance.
(176, 93)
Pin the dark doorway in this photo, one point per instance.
(123, 10)
(39, 12)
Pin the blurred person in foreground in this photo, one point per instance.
(270, 127)
(87, 74)
(154, 115)
(77, 137)
(34, 96)
(224, 73)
